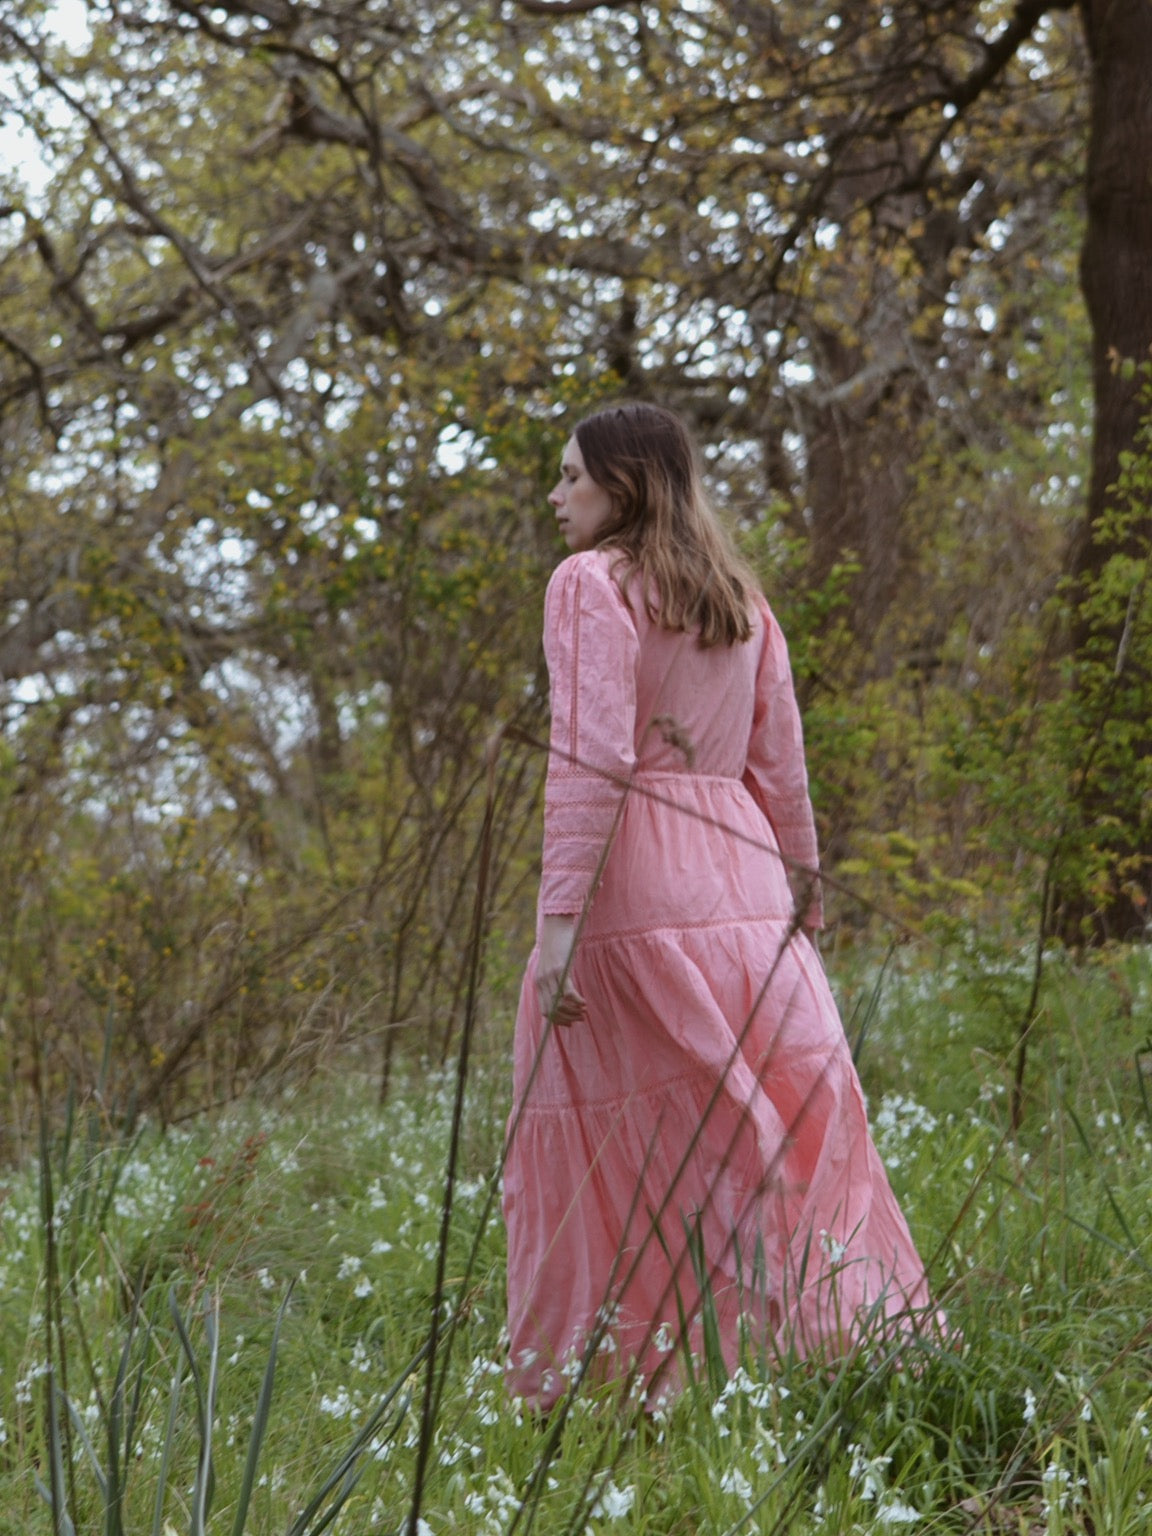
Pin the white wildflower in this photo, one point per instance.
(1056, 1480)
(832, 1247)
(614, 1503)
(338, 1405)
(869, 1472)
(735, 1482)
(893, 1511)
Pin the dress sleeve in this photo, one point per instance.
(775, 774)
(592, 651)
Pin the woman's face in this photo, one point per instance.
(582, 506)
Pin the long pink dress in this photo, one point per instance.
(702, 1132)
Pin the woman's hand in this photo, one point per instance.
(553, 971)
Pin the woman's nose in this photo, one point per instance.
(554, 496)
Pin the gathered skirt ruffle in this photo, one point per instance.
(697, 1149)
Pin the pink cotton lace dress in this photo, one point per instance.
(697, 1146)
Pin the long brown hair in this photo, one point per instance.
(668, 536)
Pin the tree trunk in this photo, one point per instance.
(1116, 265)
(1116, 274)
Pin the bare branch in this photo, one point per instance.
(571, 7)
(1003, 49)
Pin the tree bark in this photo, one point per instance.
(1116, 264)
(1116, 275)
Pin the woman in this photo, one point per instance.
(688, 1151)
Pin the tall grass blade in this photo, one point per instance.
(59, 1464)
(166, 1448)
(61, 1524)
(344, 1476)
(259, 1422)
(189, 1352)
(113, 1491)
(871, 1008)
(132, 1417)
(204, 1484)
(1139, 1054)
(86, 1445)
(709, 1322)
(1112, 1201)
(61, 1521)
(302, 1525)
(67, 1131)
(433, 1385)
(346, 1490)
(92, 1125)
(125, 1151)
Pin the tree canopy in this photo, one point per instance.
(296, 307)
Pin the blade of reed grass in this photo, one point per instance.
(204, 1484)
(505, 733)
(114, 1491)
(1112, 1201)
(683, 1331)
(92, 1125)
(1073, 1221)
(1138, 1058)
(434, 1385)
(166, 1448)
(61, 1521)
(86, 1445)
(347, 1488)
(302, 1525)
(344, 1476)
(67, 1131)
(124, 1154)
(121, 1422)
(709, 1321)
(259, 1422)
(871, 1008)
(61, 1524)
(61, 1465)
(133, 1414)
(815, 1441)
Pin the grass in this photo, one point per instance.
(224, 1328)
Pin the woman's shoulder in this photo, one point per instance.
(590, 571)
(584, 594)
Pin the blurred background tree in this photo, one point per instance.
(297, 304)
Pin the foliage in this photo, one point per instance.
(300, 1244)
(296, 305)
(1104, 873)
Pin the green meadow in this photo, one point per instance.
(272, 1321)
